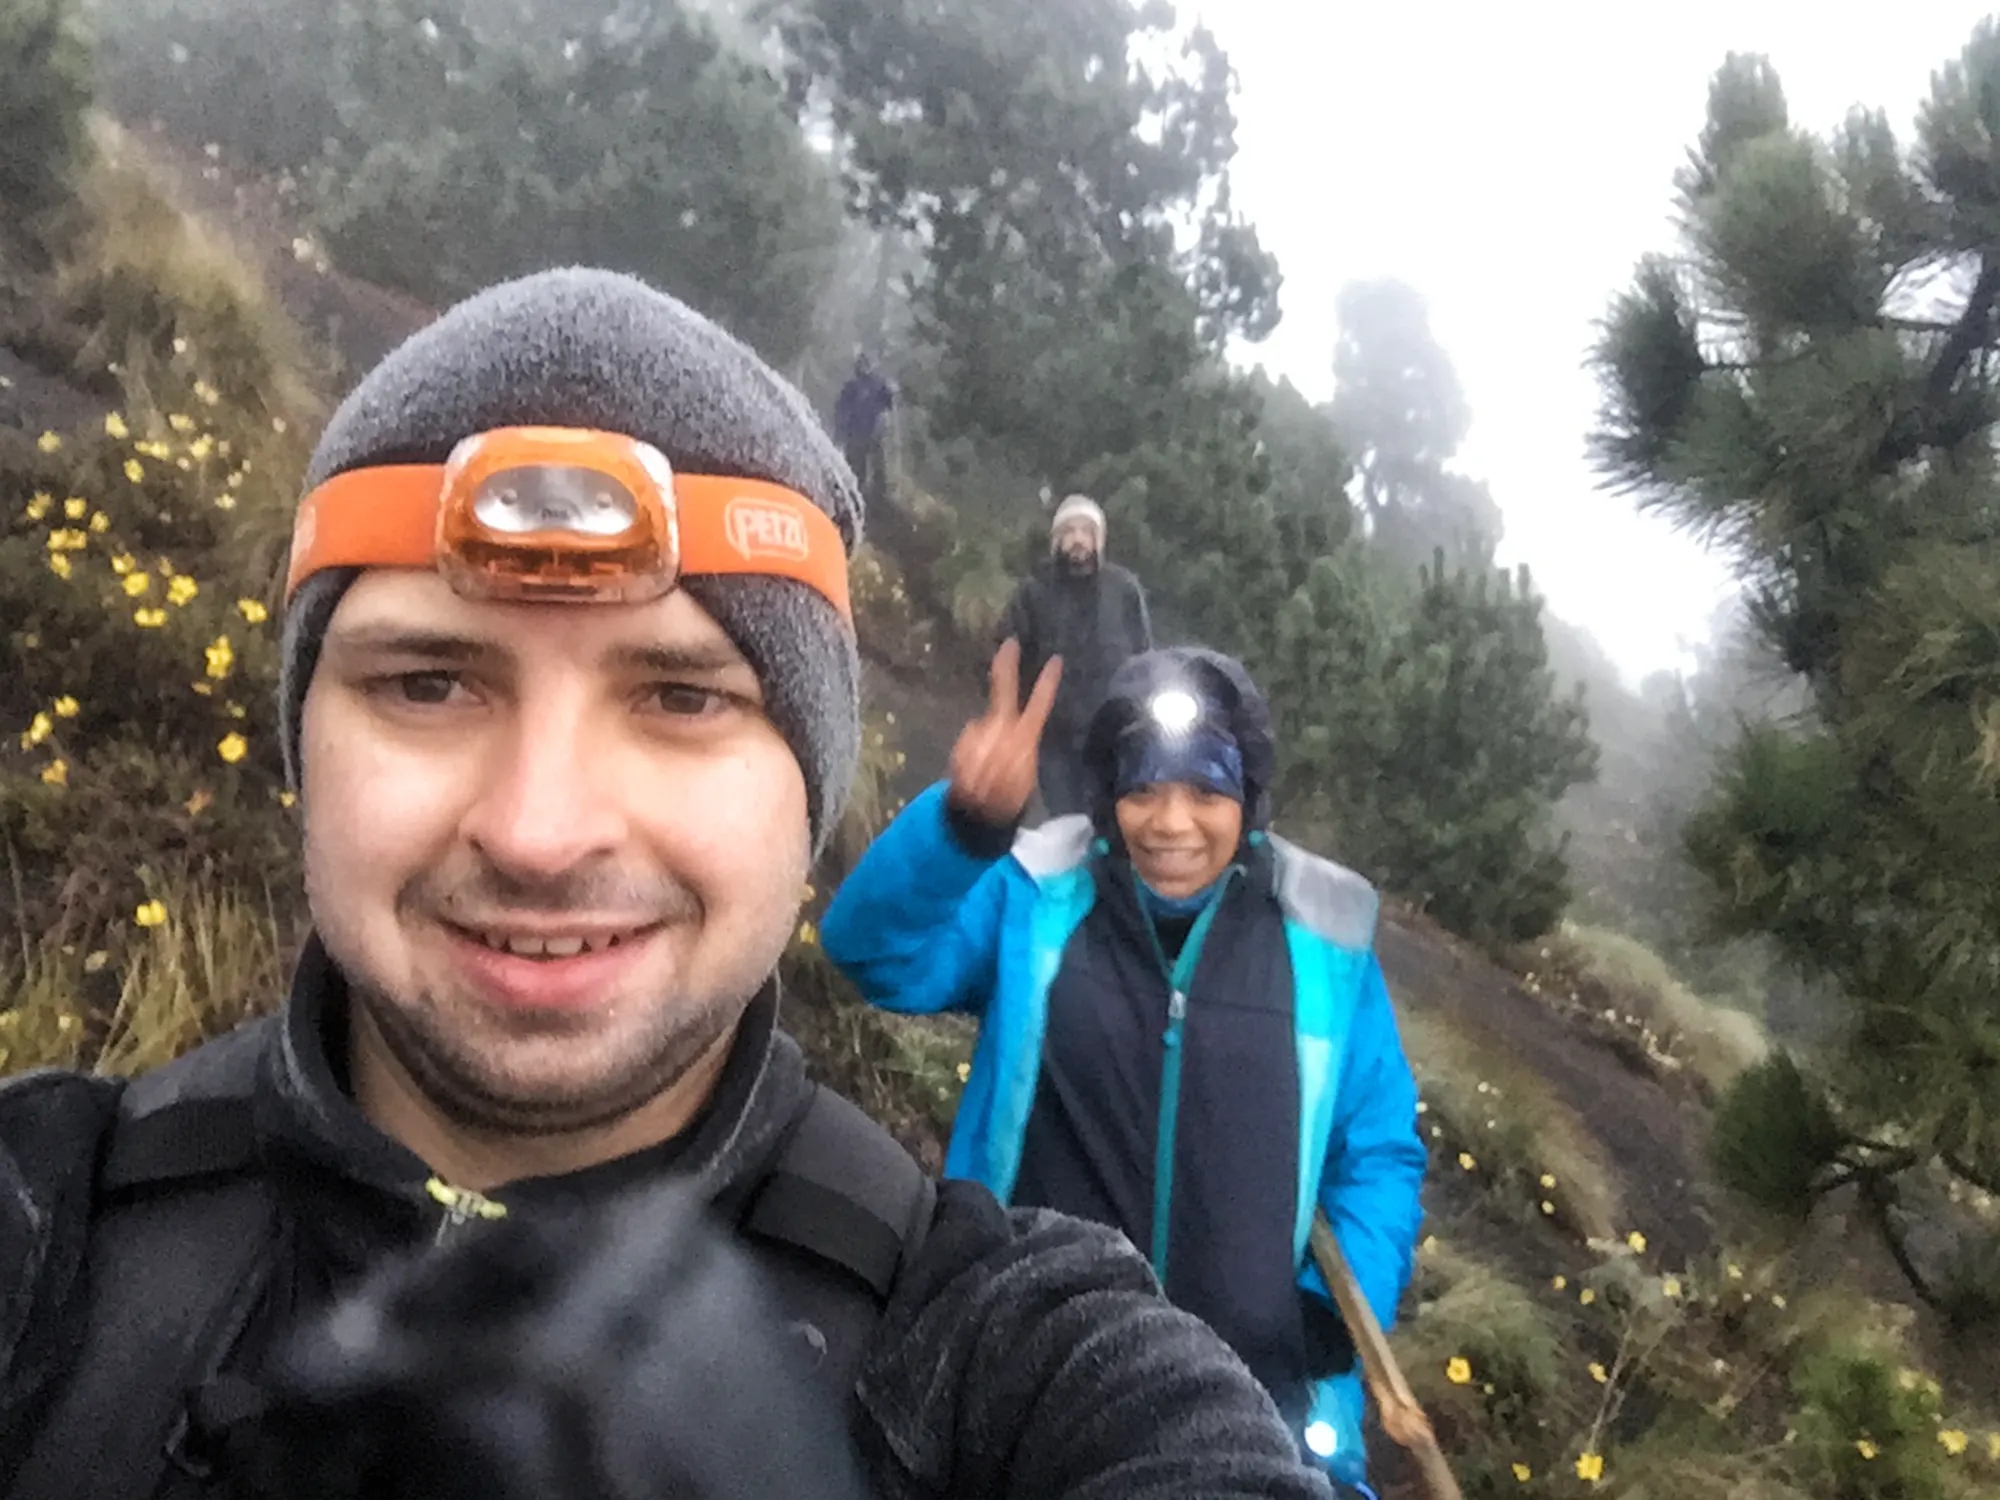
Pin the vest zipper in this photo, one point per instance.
(1180, 980)
(461, 1207)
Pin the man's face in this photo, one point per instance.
(1076, 542)
(1180, 837)
(555, 848)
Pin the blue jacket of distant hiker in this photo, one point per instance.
(1292, 1081)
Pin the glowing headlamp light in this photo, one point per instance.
(563, 514)
(1175, 710)
(1322, 1439)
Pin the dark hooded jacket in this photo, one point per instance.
(1019, 1355)
(1094, 621)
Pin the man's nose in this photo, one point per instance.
(546, 804)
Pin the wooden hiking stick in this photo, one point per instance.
(1402, 1418)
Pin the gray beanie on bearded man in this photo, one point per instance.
(586, 348)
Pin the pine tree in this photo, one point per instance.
(1811, 381)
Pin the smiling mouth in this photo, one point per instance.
(548, 945)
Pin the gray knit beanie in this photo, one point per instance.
(586, 348)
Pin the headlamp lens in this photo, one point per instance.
(555, 497)
(1175, 711)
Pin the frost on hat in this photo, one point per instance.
(590, 348)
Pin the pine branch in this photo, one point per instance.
(1878, 1195)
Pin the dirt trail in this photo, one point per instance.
(1650, 1135)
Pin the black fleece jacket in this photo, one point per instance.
(1021, 1354)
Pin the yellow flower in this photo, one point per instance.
(1560, 1283)
(76, 509)
(964, 1071)
(1597, 1372)
(135, 583)
(225, 502)
(1735, 1273)
(59, 564)
(201, 447)
(287, 799)
(181, 589)
(48, 442)
(134, 470)
(1778, 1301)
(56, 772)
(1586, 1296)
(39, 728)
(180, 422)
(149, 619)
(205, 393)
(1865, 1448)
(1549, 1180)
(1523, 1473)
(1993, 1446)
(68, 539)
(233, 747)
(114, 426)
(1954, 1441)
(1671, 1285)
(39, 506)
(221, 657)
(150, 914)
(1459, 1371)
(124, 563)
(1466, 1161)
(1590, 1467)
(1548, 1208)
(1637, 1241)
(254, 611)
(1907, 1379)
(100, 523)
(65, 707)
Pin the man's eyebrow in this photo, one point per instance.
(705, 656)
(400, 640)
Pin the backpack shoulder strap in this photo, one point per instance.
(840, 1211)
(842, 1189)
(178, 1256)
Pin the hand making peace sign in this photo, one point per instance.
(993, 764)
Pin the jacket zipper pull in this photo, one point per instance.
(461, 1207)
(1176, 1014)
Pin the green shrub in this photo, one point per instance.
(1774, 1136)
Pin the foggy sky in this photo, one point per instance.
(1513, 163)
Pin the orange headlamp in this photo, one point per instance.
(562, 514)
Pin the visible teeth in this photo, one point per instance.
(545, 947)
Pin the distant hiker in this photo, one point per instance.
(1183, 1028)
(1092, 614)
(565, 749)
(858, 411)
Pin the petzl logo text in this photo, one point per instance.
(759, 529)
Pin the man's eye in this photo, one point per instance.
(426, 688)
(684, 701)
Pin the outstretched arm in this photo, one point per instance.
(1036, 1359)
(916, 925)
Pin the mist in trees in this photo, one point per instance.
(1400, 410)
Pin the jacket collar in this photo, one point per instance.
(304, 1108)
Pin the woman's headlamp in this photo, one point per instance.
(559, 514)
